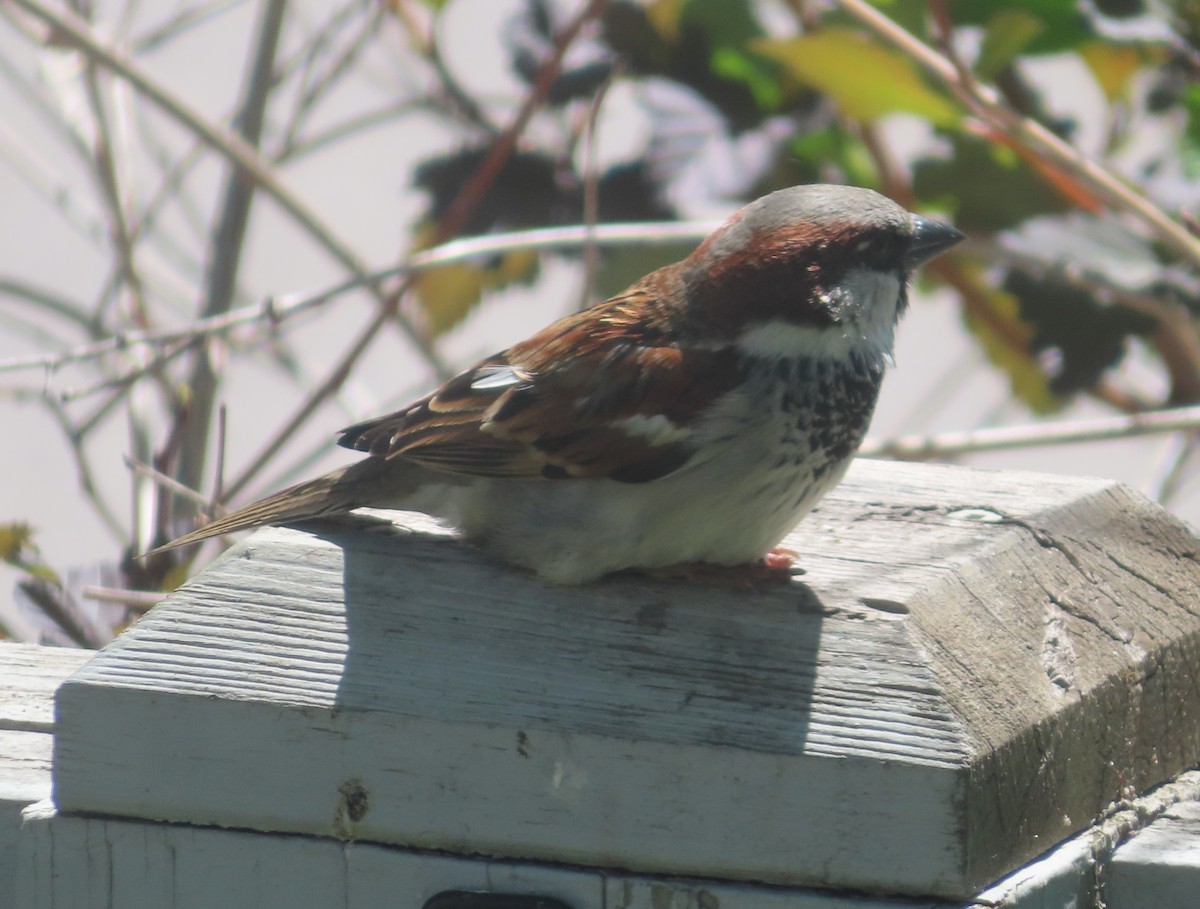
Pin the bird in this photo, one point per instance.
(684, 425)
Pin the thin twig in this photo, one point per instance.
(136, 600)
(176, 25)
(986, 103)
(449, 225)
(45, 180)
(591, 193)
(316, 85)
(43, 101)
(101, 413)
(167, 482)
(275, 310)
(219, 473)
(46, 299)
(472, 193)
(1175, 477)
(340, 130)
(174, 170)
(87, 480)
(124, 380)
(227, 246)
(57, 604)
(424, 42)
(24, 322)
(69, 27)
(107, 158)
(60, 195)
(1034, 435)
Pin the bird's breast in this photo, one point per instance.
(818, 406)
(826, 405)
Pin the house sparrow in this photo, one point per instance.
(692, 420)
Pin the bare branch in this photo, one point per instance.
(169, 483)
(1033, 435)
(87, 482)
(317, 84)
(227, 244)
(227, 144)
(181, 21)
(47, 183)
(136, 600)
(46, 299)
(57, 604)
(1176, 475)
(450, 224)
(591, 192)
(275, 310)
(987, 104)
(476, 187)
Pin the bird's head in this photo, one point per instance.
(831, 259)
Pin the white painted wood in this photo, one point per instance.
(103, 863)
(30, 676)
(1160, 867)
(1108, 866)
(975, 664)
(24, 778)
(69, 862)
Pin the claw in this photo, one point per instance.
(776, 567)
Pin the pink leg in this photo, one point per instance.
(776, 567)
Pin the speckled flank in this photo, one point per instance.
(826, 407)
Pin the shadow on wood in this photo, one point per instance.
(975, 665)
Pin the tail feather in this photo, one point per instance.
(371, 481)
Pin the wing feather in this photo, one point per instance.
(606, 392)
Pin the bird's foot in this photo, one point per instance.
(777, 567)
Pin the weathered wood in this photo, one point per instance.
(1105, 865)
(81, 862)
(70, 862)
(1160, 867)
(974, 665)
(30, 676)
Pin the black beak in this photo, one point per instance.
(930, 239)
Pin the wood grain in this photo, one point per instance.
(974, 665)
(30, 676)
(138, 865)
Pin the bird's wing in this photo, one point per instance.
(605, 392)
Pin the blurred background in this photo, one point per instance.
(212, 211)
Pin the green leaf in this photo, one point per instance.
(665, 16)
(13, 538)
(912, 15)
(447, 294)
(726, 23)
(1189, 151)
(813, 152)
(18, 550)
(1088, 336)
(866, 79)
(622, 266)
(988, 188)
(993, 317)
(1113, 66)
(1095, 247)
(1008, 33)
(763, 82)
(1064, 26)
(727, 27)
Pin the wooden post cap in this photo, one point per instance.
(974, 665)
